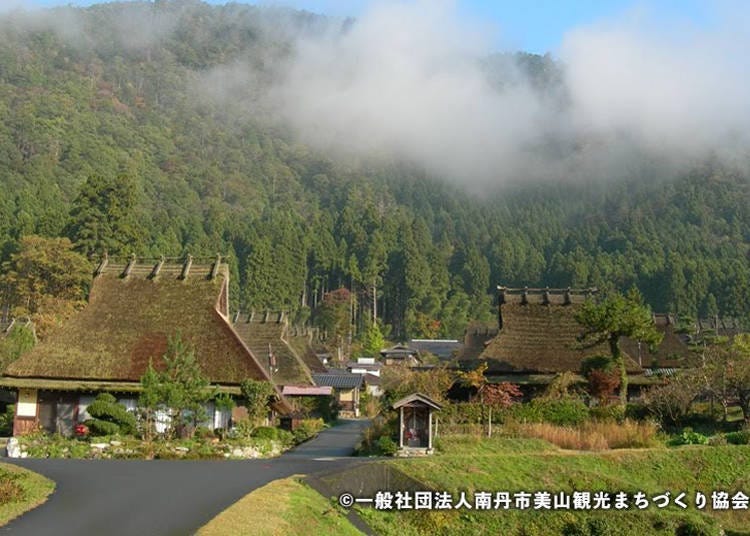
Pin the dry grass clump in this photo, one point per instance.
(10, 491)
(592, 435)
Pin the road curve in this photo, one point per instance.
(159, 497)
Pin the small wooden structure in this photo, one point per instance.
(415, 421)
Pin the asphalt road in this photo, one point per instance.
(133, 497)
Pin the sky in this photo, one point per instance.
(537, 26)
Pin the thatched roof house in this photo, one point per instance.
(287, 357)
(538, 333)
(672, 352)
(133, 309)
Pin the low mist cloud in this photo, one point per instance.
(406, 79)
(409, 79)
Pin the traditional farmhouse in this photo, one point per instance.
(401, 355)
(284, 353)
(672, 353)
(370, 370)
(346, 387)
(443, 349)
(133, 309)
(476, 338)
(537, 336)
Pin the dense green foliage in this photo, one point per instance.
(257, 395)
(114, 144)
(180, 390)
(614, 317)
(108, 417)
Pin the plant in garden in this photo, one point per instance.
(181, 390)
(501, 395)
(108, 417)
(257, 395)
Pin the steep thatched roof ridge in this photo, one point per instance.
(127, 323)
(267, 333)
(537, 338)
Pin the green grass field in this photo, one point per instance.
(20, 491)
(283, 507)
(472, 464)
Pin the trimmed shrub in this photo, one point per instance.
(738, 438)
(108, 417)
(387, 446)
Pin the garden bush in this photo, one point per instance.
(265, 432)
(6, 420)
(387, 446)
(609, 413)
(307, 429)
(738, 438)
(563, 412)
(688, 437)
(108, 417)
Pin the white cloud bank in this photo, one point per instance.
(405, 79)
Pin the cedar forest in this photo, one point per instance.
(109, 146)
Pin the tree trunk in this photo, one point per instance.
(614, 347)
(744, 399)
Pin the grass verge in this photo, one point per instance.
(283, 507)
(471, 464)
(20, 491)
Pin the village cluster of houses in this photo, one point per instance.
(135, 307)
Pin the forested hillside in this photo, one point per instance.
(110, 136)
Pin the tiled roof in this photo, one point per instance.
(306, 390)
(339, 380)
(444, 349)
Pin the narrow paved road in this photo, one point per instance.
(132, 497)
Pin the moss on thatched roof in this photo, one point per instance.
(540, 338)
(127, 323)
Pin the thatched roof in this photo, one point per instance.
(476, 338)
(133, 308)
(673, 351)
(266, 333)
(539, 333)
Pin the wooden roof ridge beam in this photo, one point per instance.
(215, 267)
(186, 267)
(129, 266)
(543, 290)
(157, 268)
(102, 265)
